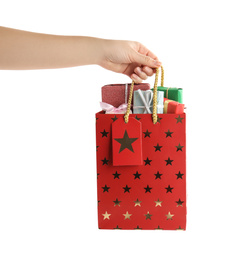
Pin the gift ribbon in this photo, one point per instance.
(126, 93)
(147, 100)
(109, 109)
(166, 106)
(167, 92)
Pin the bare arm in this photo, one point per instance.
(22, 50)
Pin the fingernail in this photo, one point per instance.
(156, 63)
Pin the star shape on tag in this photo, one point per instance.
(126, 142)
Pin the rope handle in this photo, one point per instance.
(154, 111)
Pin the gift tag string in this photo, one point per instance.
(154, 111)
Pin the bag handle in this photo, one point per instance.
(154, 110)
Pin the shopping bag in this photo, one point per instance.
(141, 169)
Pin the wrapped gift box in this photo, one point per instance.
(173, 107)
(143, 102)
(175, 94)
(117, 94)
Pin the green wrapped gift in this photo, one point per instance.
(175, 94)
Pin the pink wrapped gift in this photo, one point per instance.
(117, 94)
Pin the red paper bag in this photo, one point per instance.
(150, 195)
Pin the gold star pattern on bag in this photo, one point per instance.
(137, 203)
(158, 203)
(127, 215)
(106, 215)
(169, 216)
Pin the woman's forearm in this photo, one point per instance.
(22, 50)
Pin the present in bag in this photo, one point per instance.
(143, 102)
(141, 194)
(173, 107)
(117, 94)
(175, 94)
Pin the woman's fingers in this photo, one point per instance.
(136, 78)
(148, 71)
(138, 71)
(142, 73)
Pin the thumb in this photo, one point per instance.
(145, 60)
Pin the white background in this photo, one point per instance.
(48, 204)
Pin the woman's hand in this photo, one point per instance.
(128, 57)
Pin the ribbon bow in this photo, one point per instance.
(109, 109)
